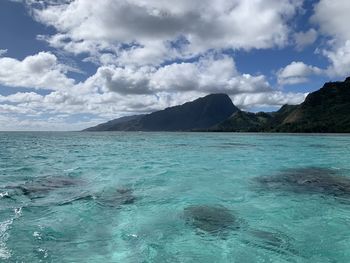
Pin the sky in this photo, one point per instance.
(71, 64)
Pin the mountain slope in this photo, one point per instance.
(325, 110)
(242, 121)
(108, 126)
(198, 114)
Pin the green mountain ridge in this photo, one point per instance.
(201, 113)
(324, 111)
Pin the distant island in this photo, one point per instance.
(324, 111)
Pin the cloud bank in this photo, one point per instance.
(150, 32)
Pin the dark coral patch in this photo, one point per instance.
(211, 219)
(40, 187)
(116, 197)
(308, 180)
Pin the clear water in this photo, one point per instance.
(168, 172)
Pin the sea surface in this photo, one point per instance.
(174, 197)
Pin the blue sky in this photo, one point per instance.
(67, 65)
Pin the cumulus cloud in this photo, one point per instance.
(41, 71)
(332, 18)
(207, 75)
(3, 52)
(21, 97)
(304, 39)
(340, 60)
(296, 72)
(54, 123)
(268, 99)
(149, 32)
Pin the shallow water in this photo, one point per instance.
(123, 197)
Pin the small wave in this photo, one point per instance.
(5, 253)
(24, 169)
(43, 252)
(4, 195)
(39, 157)
(37, 235)
(18, 212)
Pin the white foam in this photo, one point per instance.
(2, 195)
(18, 212)
(44, 252)
(5, 253)
(37, 235)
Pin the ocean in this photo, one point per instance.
(174, 197)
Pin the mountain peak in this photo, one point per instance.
(212, 98)
(201, 113)
(198, 114)
(216, 95)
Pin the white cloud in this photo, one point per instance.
(268, 99)
(332, 18)
(21, 97)
(303, 39)
(3, 52)
(207, 75)
(16, 109)
(38, 71)
(340, 60)
(149, 32)
(56, 123)
(296, 72)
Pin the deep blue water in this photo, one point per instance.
(133, 197)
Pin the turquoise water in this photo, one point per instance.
(127, 197)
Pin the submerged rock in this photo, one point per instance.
(219, 221)
(110, 198)
(68, 193)
(211, 219)
(40, 187)
(83, 197)
(116, 197)
(308, 180)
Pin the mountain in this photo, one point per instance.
(242, 121)
(108, 126)
(325, 110)
(201, 113)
